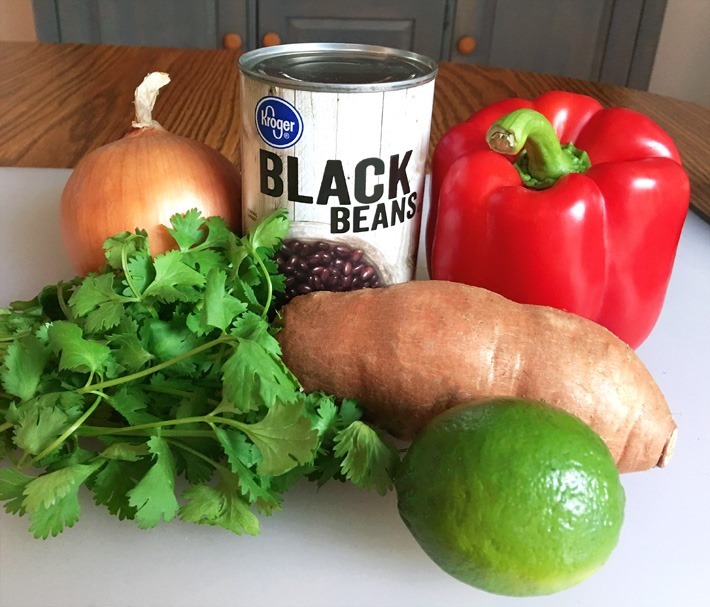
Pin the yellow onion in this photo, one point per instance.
(140, 181)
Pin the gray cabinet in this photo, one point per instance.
(610, 41)
(602, 40)
(420, 26)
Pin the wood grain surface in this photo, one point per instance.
(59, 101)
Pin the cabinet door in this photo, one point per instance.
(187, 23)
(607, 40)
(413, 25)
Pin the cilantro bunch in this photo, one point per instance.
(164, 372)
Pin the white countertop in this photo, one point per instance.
(342, 546)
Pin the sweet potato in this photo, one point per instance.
(410, 351)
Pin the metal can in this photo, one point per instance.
(339, 135)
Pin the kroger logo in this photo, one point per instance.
(278, 122)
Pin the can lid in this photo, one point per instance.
(338, 67)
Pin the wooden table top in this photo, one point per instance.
(59, 101)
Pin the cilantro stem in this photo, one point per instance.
(205, 419)
(62, 302)
(98, 431)
(91, 378)
(127, 274)
(70, 430)
(219, 356)
(5, 426)
(155, 368)
(14, 336)
(269, 287)
(196, 453)
(95, 431)
(175, 392)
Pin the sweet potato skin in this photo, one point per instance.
(409, 351)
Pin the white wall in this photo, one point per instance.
(682, 67)
(17, 20)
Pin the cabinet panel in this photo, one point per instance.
(418, 26)
(606, 40)
(151, 23)
(397, 33)
(185, 24)
(569, 39)
(559, 36)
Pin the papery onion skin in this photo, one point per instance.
(140, 181)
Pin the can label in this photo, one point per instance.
(350, 168)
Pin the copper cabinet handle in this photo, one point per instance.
(271, 39)
(466, 45)
(232, 41)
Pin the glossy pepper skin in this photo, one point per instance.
(599, 243)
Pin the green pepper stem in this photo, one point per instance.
(542, 159)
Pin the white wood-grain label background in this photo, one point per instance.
(348, 127)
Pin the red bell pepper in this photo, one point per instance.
(570, 205)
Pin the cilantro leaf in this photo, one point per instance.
(349, 412)
(253, 377)
(52, 519)
(12, 489)
(21, 372)
(237, 253)
(321, 410)
(243, 456)
(187, 229)
(6, 445)
(38, 421)
(243, 291)
(367, 460)
(204, 260)
(130, 402)
(112, 484)
(53, 498)
(125, 243)
(218, 233)
(96, 300)
(284, 438)
(204, 504)
(77, 353)
(44, 490)
(172, 339)
(154, 495)
(139, 273)
(15, 322)
(253, 327)
(127, 347)
(219, 506)
(127, 452)
(269, 233)
(105, 316)
(174, 279)
(219, 308)
(195, 469)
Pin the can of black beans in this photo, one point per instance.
(339, 135)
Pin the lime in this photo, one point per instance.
(512, 496)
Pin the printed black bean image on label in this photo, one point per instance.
(322, 265)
